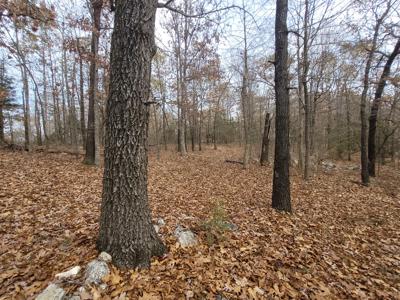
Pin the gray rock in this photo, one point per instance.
(185, 237)
(160, 222)
(74, 297)
(328, 165)
(104, 256)
(70, 273)
(232, 226)
(95, 271)
(353, 168)
(52, 292)
(157, 228)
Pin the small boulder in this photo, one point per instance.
(160, 222)
(104, 256)
(95, 271)
(70, 273)
(52, 292)
(186, 238)
(328, 165)
(156, 228)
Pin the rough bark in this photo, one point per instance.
(90, 156)
(373, 118)
(126, 230)
(281, 183)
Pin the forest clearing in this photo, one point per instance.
(199, 149)
(341, 241)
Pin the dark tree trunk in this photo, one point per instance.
(375, 108)
(264, 159)
(126, 230)
(90, 157)
(363, 105)
(281, 183)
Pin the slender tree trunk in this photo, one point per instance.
(281, 183)
(82, 100)
(10, 124)
(348, 126)
(264, 159)
(200, 125)
(375, 108)
(164, 122)
(157, 132)
(245, 99)
(307, 100)
(43, 104)
(126, 230)
(27, 114)
(37, 123)
(90, 157)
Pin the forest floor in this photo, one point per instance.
(341, 242)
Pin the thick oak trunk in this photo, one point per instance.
(126, 230)
(281, 183)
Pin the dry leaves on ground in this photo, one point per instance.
(341, 242)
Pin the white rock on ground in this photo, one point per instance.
(185, 237)
(52, 292)
(104, 256)
(95, 271)
(161, 222)
(156, 228)
(70, 273)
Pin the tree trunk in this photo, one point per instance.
(348, 125)
(82, 100)
(126, 230)
(1, 123)
(43, 104)
(37, 123)
(375, 108)
(363, 105)
(264, 159)
(27, 115)
(281, 183)
(245, 99)
(307, 100)
(90, 157)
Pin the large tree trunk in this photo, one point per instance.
(126, 230)
(90, 157)
(375, 108)
(363, 105)
(281, 183)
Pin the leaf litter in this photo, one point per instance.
(341, 242)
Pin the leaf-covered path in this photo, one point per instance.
(341, 242)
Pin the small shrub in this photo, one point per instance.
(216, 225)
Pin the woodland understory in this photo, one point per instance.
(342, 240)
